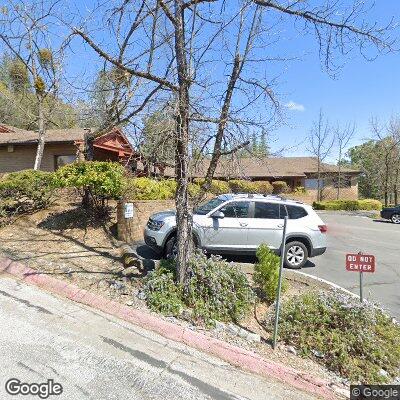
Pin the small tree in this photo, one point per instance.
(35, 65)
(266, 272)
(320, 141)
(343, 137)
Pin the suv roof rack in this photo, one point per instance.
(258, 195)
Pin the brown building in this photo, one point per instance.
(62, 146)
(295, 171)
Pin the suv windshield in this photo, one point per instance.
(207, 207)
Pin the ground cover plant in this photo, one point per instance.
(356, 340)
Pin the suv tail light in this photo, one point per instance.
(323, 228)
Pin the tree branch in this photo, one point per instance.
(140, 74)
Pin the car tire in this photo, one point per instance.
(395, 218)
(296, 255)
(170, 248)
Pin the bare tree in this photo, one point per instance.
(321, 141)
(25, 31)
(209, 59)
(342, 137)
(388, 147)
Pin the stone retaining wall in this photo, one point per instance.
(131, 229)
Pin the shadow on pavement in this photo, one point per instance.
(385, 221)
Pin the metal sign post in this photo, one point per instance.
(360, 263)
(278, 290)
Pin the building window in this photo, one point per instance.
(60, 161)
(313, 183)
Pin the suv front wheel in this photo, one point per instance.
(171, 247)
(296, 255)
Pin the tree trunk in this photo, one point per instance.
(42, 133)
(319, 197)
(184, 219)
(339, 174)
(88, 153)
(88, 147)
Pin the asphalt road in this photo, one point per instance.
(349, 233)
(95, 356)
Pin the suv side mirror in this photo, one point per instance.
(218, 214)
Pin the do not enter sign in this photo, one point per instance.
(360, 262)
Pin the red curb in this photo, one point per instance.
(234, 355)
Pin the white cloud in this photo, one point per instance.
(295, 106)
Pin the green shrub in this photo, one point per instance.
(348, 205)
(25, 191)
(150, 189)
(280, 187)
(217, 290)
(353, 339)
(102, 180)
(217, 186)
(242, 186)
(263, 187)
(194, 189)
(370, 205)
(162, 293)
(266, 272)
(300, 190)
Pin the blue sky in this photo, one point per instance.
(361, 89)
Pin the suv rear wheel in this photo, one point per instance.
(396, 218)
(296, 255)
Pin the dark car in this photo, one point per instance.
(392, 213)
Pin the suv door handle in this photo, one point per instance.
(280, 226)
(243, 223)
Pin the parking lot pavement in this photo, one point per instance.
(350, 234)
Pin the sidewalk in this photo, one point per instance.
(95, 355)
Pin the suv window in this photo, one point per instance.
(266, 210)
(296, 212)
(237, 209)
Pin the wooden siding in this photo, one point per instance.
(23, 156)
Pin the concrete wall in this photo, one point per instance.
(131, 230)
(23, 156)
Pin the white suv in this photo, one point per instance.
(239, 223)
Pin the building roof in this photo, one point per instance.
(271, 167)
(12, 135)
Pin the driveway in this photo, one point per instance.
(96, 356)
(348, 233)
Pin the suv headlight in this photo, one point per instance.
(155, 225)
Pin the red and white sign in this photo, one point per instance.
(360, 262)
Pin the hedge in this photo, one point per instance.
(96, 181)
(150, 189)
(348, 205)
(23, 192)
(280, 187)
(217, 186)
